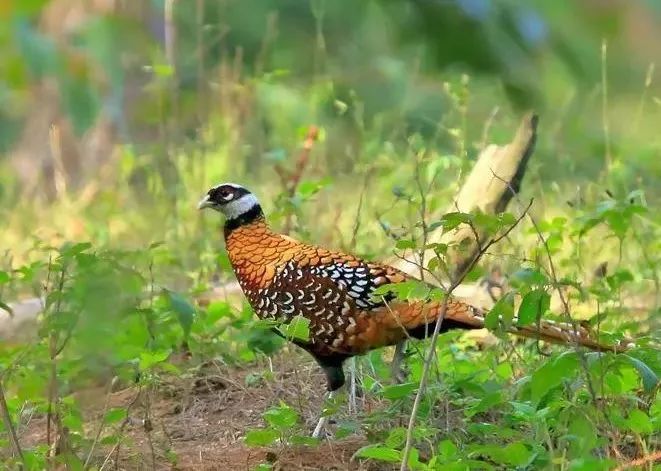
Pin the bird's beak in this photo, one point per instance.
(204, 203)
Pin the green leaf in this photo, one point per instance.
(396, 438)
(149, 359)
(502, 311)
(282, 417)
(649, 377)
(381, 453)
(183, 308)
(552, 374)
(639, 422)
(297, 329)
(398, 391)
(261, 437)
(528, 277)
(514, 454)
(452, 220)
(403, 244)
(533, 306)
(114, 415)
(4, 277)
(393, 288)
(305, 440)
(447, 449)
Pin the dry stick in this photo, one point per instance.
(291, 179)
(9, 426)
(437, 329)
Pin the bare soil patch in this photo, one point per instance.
(199, 421)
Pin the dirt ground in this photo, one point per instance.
(199, 421)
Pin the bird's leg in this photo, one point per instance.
(352, 386)
(332, 367)
(323, 420)
(396, 369)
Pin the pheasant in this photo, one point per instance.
(283, 278)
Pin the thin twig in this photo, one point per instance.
(9, 425)
(437, 328)
(101, 423)
(52, 384)
(127, 419)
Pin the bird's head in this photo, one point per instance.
(234, 201)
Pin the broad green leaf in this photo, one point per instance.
(261, 437)
(114, 415)
(584, 435)
(398, 391)
(447, 449)
(149, 359)
(452, 220)
(533, 306)
(528, 277)
(513, 454)
(4, 277)
(396, 438)
(282, 417)
(649, 377)
(639, 422)
(502, 311)
(552, 374)
(303, 440)
(184, 309)
(297, 329)
(403, 244)
(381, 453)
(407, 290)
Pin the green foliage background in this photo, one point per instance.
(402, 92)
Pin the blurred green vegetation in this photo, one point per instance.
(115, 118)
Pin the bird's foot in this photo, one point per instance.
(324, 419)
(321, 425)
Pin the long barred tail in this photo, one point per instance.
(462, 315)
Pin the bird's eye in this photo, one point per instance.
(226, 194)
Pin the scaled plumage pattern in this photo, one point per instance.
(283, 278)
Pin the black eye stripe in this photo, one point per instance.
(225, 193)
